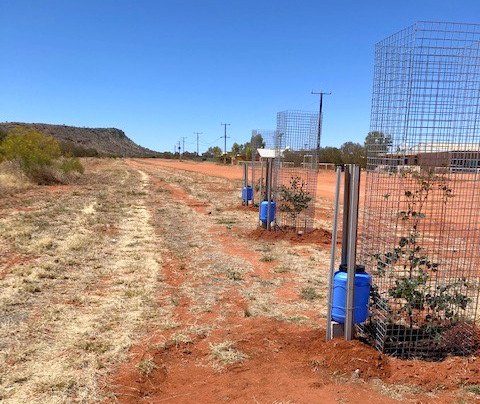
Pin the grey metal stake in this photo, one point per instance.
(352, 249)
(260, 192)
(244, 182)
(333, 252)
(346, 212)
(244, 174)
(253, 182)
(269, 186)
(246, 178)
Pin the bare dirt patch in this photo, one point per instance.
(272, 363)
(317, 236)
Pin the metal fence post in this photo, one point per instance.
(253, 182)
(333, 252)
(352, 248)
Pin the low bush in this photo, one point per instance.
(3, 134)
(294, 198)
(45, 175)
(38, 156)
(70, 165)
(31, 148)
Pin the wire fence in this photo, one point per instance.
(421, 230)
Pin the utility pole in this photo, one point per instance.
(183, 149)
(179, 149)
(320, 118)
(198, 133)
(225, 141)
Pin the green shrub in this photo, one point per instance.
(33, 149)
(71, 164)
(3, 134)
(418, 295)
(294, 199)
(38, 156)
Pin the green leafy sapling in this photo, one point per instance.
(294, 199)
(409, 266)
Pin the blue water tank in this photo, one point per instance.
(363, 282)
(247, 193)
(264, 211)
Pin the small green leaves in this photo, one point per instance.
(413, 285)
(295, 198)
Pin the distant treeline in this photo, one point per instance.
(347, 153)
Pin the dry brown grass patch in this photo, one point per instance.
(225, 353)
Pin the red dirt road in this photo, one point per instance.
(325, 182)
(285, 362)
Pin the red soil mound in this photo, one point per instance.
(284, 361)
(347, 357)
(281, 363)
(317, 236)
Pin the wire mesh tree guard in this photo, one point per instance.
(296, 141)
(421, 222)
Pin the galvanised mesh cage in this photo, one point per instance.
(297, 168)
(421, 234)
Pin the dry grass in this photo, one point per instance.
(82, 296)
(310, 293)
(473, 388)
(12, 181)
(209, 264)
(267, 258)
(146, 366)
(398, 392)
(225, 353)
(12, 178)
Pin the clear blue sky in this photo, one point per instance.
(161, 70)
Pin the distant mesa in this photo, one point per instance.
(110, 142)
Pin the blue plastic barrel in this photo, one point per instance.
(363, 282)
(247, 193)
(264, 211)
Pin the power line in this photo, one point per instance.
(212, 142)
